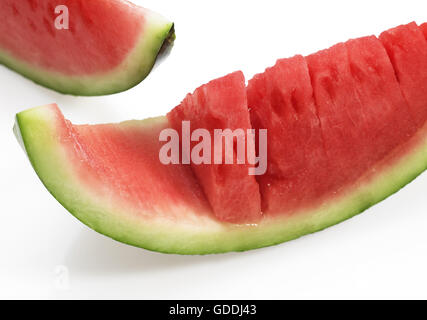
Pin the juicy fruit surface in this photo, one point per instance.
(121, 161)
(281, 101)
(95, 41)
(222, 104)
(343, 110)
(109, 46)
(424, 29)
(407, 49)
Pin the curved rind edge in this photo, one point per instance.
(38, 136)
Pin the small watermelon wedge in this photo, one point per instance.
(82, 47)
(407, 49)
(346, 129)
(232, 192)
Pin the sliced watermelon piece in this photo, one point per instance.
(387, 121)
(281, 101)
(407, 49)
(424, 29)
(361, 117)
(339, 111)
(109, 46)
(222, 104)
(110, 178)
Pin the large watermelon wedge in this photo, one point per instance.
(345, 132)
(109, 46)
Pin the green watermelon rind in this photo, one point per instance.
(134, 69)
(36, 131)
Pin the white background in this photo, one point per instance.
(47, 253)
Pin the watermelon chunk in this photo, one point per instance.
(424, 29)
(222, 104)
(354, 108)
(109, 46)
(387, 119)
(281, 101)
(407, 49)
(339, 110)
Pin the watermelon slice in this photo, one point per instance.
(346, 100)
(222, 104)
(110, 178)
(344, 132)
(407, 49)
(109, 46)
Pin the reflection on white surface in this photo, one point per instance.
(95, 255)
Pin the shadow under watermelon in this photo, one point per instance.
(94, 254)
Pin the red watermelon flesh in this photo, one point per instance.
(56, 46)
(424, 29)
(407, 49)
(281, 101)
(344, 113)
(363, 114)
(123, 161)
(387, 120)
(222, 104)
(109, 46)
(341, 114)
(126, 162)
